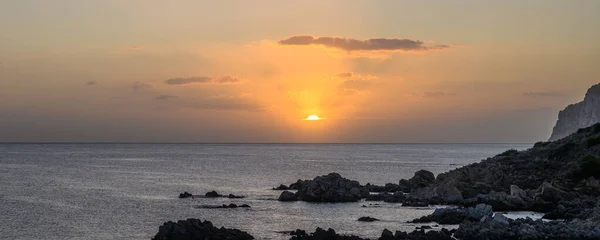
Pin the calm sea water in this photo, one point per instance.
(126, 191)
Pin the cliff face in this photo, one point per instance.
(579, 115)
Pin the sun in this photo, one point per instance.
(313, 118)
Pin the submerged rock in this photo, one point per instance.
(194, 229)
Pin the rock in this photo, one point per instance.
(579, 115)
(550, 193)
(331, 188)
(378, 197)
(456, 215)
(321, 234)
(421, 234)
(234, 196)
(413, 202)
(212, 194)
(194, 229)
(185, 195)
(503, 228)
(367, 219)
(478, 212)
(422, 178)
(282, 187)
(397, 197)
(231, 205)
(287, 196)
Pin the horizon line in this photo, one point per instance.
(250, 143)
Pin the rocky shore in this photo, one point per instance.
(560, 179)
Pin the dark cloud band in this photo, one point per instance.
(374, 44)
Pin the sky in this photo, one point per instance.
(243, 71)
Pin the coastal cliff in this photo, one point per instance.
(579, 115)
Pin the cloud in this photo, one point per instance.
(91, 83)
(344, 75)
(434, 95)
(165, 97)
(137, 85)
(354, 84)
(227, 103)
(206, 80)
(183, 81)
(438, 94)
(544, 94)
(350, 44)
(227, 80)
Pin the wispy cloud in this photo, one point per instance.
(183, 81)
(432, 95)
(137, 85)
(165, 97)
(544, 94)
(205, 80)
(374, 44)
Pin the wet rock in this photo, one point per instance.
(212, 194)
(185, 195)
(413, 202)
(282, 187)
(367, 219)
(287, 196)
(194, 229)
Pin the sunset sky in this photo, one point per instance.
(253, 71)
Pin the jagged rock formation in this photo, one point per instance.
(579, 115)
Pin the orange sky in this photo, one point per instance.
(242, 71)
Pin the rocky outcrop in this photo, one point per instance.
(500, 227)
(194, 229)
(367, 219)
(579, 115)
(329, 188)
(456, 215)
(231, 205)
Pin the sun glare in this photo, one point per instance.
(313, 118)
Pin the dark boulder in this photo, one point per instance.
(422, 178)
(185, 195)
(287, 196)
(212, 194)
(194, 229)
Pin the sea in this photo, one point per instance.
(126, 191)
